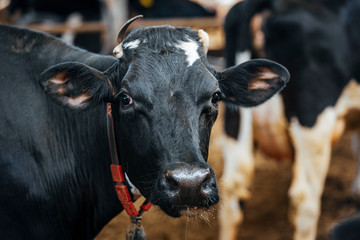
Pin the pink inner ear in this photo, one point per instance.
(59, 78)
(61, 90)
(258, 85)
(266, 73)
(79, 100)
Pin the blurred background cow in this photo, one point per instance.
(317, 42)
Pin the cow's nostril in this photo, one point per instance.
(204, 180)
(171, 180)
(208, 184)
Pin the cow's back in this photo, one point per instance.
(40, 141)
(25, 54)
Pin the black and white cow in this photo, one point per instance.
(55, 161)
(318, 42)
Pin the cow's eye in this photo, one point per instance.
(125, 99)
(216, 97)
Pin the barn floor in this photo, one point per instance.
(266, 212)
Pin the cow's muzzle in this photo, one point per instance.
(185, 189)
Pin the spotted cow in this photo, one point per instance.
(318, 42)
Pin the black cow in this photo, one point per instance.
(347, 230)
(318, 41)
(55, 161)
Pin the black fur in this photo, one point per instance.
(54, 160)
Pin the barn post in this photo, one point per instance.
(115, 13)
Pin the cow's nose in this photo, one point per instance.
(190, 186)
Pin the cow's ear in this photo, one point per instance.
(75, 85)
(253, 82)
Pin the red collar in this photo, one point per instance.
(117, 173)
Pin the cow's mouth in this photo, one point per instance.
(185, 190)
(187, 211)
(193, 212)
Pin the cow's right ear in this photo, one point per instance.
(75, 85)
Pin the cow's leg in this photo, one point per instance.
(348, 107)
(312, 158)
(356, 150)
(230, 217)
(237, 176)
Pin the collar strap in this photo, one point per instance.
(117, 173)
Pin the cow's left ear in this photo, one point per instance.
(75, 85)
(253, 82)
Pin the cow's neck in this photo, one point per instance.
(91, 189)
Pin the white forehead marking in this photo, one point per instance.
(190, 48)
(133, 44)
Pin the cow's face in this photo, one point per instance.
(168, 102)
(167, 97)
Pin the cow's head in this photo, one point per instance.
(167, 97)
